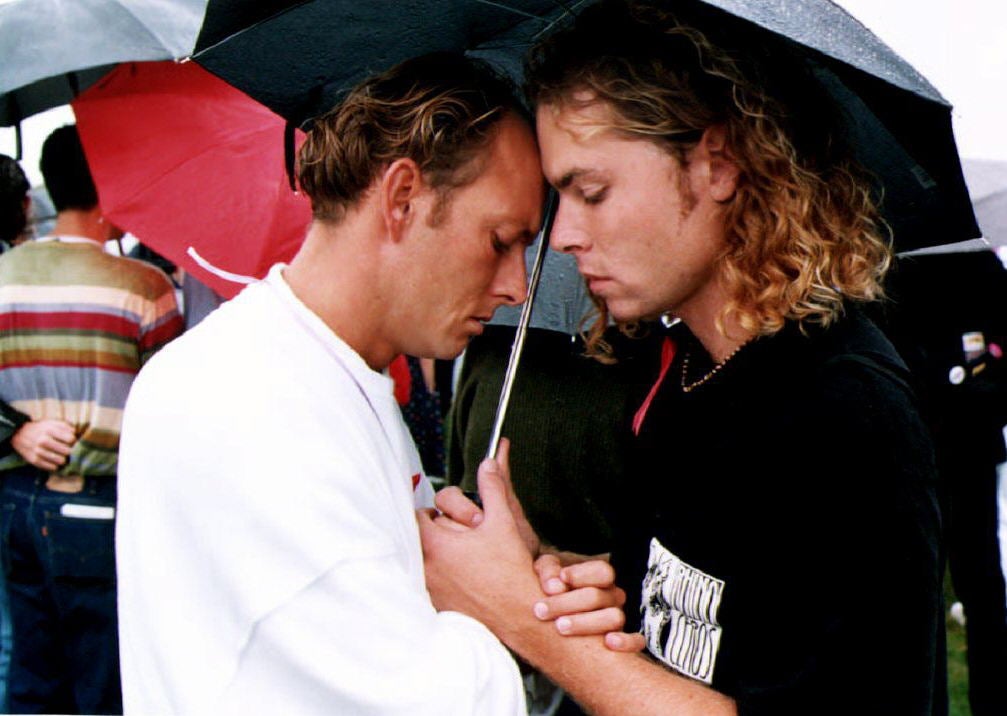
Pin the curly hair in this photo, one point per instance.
(803, 234)
(439, 110)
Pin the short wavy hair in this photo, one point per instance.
(66, 172)
(440, 110)
(803, 231)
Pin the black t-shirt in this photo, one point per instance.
(787, 512)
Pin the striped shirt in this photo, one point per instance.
(76, 325)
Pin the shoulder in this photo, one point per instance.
(137, 277)
(853, 359)
(860, 391)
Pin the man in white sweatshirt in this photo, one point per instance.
(268, 554)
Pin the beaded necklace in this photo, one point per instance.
(688, 387)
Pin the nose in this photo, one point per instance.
(511, 283)
(568, 234)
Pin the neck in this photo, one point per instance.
(701, 316)
(80, 222)
(336, 275)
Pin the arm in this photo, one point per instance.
(487, 572)
(580, 594)
(45, 444)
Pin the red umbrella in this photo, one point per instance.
(193, 168)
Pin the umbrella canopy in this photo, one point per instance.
(298, 62)
(193, 168)
(987, 180)
(52, 49)
(991, 211)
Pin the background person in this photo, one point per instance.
(14, 203)
(76, 324)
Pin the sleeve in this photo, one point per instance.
(364, 639)
(361, 636)
(11, 419)
(162, 323)
(855, 616)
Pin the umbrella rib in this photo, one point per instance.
(514, 10)
(566, 10)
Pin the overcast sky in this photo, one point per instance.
(959, 45)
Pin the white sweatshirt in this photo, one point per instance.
(268, 555)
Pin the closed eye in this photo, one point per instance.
(595, 197)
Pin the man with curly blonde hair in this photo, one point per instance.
(268, 552)
(779, 541)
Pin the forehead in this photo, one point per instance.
(567, 132)
(580, 140)
(510, 185)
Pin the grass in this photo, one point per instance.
(958, 676)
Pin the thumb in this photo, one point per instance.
(493, 491)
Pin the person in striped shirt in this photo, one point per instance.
(76, 325)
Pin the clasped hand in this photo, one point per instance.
(578, 594)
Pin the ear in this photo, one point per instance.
(400, 185)
(724, 170)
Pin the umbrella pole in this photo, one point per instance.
(552, 203)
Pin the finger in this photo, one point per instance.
(425, 516)
(548, 568)
(493, 491)
(459, 508)
(625, 642)
(503, 459)
(621, 641)
(448, 523)
(57, 448)
(592, 573)
(579, 600)
(63, 432)
(43, 463)
(602, 621)
(54, 458)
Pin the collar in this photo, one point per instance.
(67, 239)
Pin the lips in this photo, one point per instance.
(595, 283)
(476, 323)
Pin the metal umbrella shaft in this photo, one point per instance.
(552, 203)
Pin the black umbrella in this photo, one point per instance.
(300, 60)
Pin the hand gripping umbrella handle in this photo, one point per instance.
(552, 203)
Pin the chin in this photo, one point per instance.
(450, 349)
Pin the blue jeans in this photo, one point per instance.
(59, 560)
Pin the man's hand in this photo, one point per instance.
(45, 444)
(484, 570)
(583, 599)
(452, 502)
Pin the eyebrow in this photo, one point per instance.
(568, 178)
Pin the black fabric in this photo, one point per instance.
(801, 479)
(935, 300)
(11, 419)
(568, 423)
